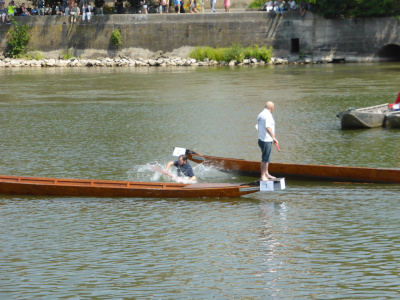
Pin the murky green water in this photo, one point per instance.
(312, 241)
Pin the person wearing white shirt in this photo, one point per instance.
(86, 12)
(292, 5)
(268, 6)
(266, 136)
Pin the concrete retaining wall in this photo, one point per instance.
(288, 33)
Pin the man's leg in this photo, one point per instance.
(264, 171)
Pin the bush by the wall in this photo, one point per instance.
(116, 39)
(256, 3)
(19, 38)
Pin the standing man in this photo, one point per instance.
(184, 169)
(98, 7)
(266, 136)
(40, 7)
(177, 4)
(212, 4)
(119, 6)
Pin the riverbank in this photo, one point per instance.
(288, 34)
(123, 61)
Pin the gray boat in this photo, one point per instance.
(368, 117)
(394, 120)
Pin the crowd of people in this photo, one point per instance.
(67, 8)
(85, 9)
(279, 6)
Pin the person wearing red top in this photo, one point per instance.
(396, 105)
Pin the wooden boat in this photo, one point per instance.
(299, 171)
(18, 185)
(394, 120)
(368, 117)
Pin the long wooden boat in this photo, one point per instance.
(299, 171)
(394, 120)
(368, 117)
(18, 185)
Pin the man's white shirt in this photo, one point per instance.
(264, 121)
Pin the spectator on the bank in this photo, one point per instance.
(47, 10)
(119, 6)
(11, 9)
(86, 12)
(303, 8)
(65, 5)
(268, 6)
(212, 4)
(164, 5)
(98, 7)
(24, 10)
(4, 13)
(40, 7)
(280, 6)
(82, 4)
(144, 4)
(192, 8)
(275, 5)
(227, 5)
(177, 4)
(292, 5)
(59, 9)
(75, 11)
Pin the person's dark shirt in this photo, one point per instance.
(184, 170)
(99, 3)
(40, 4)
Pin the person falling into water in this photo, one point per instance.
(266, 135)
(183, 168)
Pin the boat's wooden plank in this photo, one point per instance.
(210, 185)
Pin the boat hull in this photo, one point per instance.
(394, 120)
(17, 185)
(299, 171)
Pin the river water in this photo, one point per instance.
(312, 241)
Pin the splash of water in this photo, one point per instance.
(152, 171)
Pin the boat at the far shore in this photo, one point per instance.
(368, 117)
(394, 120)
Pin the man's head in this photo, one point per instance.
(270, 106)
(182, 160)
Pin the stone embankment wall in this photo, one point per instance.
(288, 34)
(159, 62)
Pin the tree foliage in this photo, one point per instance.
(353, 8)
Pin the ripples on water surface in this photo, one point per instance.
(314, 240)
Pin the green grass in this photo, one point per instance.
(67, 55)
(34, 55)
(235, 52)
